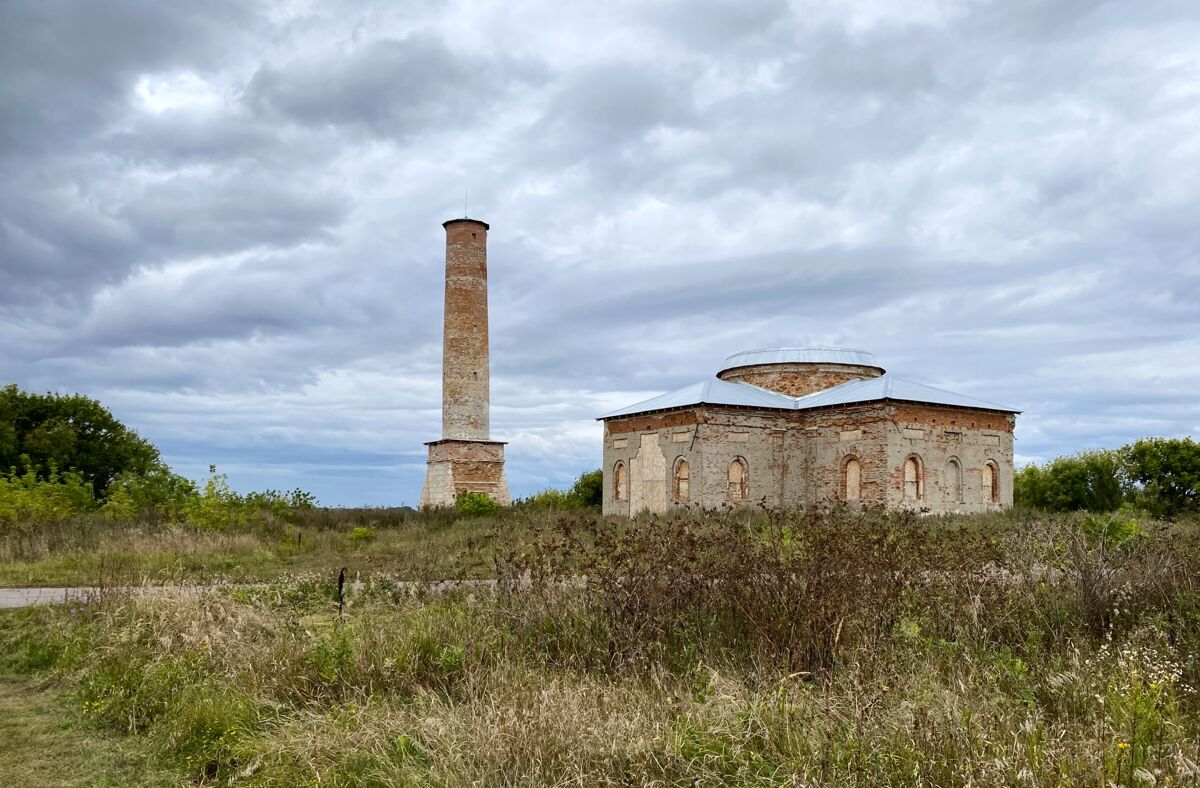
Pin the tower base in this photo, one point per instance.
(458, 466)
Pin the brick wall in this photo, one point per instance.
(798, 379)
(798, 458)
(465, 341)
(457, 466)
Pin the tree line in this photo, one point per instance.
(1158, 475)
(62, 455)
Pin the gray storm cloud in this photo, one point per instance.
(224, 219)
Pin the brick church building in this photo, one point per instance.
(807, 426)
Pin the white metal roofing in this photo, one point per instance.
(712, 392)
(890, 387)
(724, 392)
(802, 355)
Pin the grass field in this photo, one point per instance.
(748, 648)
(88, 551)
(45, 743)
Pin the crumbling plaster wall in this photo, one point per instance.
(938, 434)
(825, 440)
(758, 438)
(648, 445)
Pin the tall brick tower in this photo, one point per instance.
(466, 459)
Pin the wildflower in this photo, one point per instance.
(1123, 745)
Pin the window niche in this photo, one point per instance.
(913, 488)
(620, 482)
(852, 480)
(682, 481)
(738, 480)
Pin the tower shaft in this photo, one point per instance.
(465, 459)
(465, 384)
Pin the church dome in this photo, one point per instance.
(798, 371)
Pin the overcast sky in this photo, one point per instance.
(223, 219)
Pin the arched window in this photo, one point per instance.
(912, 479)
(620, 482)
(737, 479)
(954, 486)
(852, 480)
(991, 482)
(682, 480)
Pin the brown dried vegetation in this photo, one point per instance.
(748, 647)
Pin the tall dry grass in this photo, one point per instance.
(758, 648)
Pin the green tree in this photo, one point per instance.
(70, 432)
(1029, 487)
(1090, 481)
(588, 489)
(1165, 474)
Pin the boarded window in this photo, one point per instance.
(737, 480)
(682, 480)
(912, 479)
(853, 480)
(620, 482)
(991, 483)
(954, 481)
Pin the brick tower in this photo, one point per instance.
(466, 459)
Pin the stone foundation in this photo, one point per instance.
(457, 466)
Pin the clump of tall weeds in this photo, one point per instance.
(793, 589)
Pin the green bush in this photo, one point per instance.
(158, 489)
(549, 501)
(475, 504)
(31, 497)
(1111, 531)
(362, 534)
(586, 492)
(217, 506)
(588, 489)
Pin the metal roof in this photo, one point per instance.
(802, 355)
(889, 387)
(724, 392)
(712, 392)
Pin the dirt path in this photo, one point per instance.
(42, 745)
(25, 597)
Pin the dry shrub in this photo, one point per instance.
(790, 589)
